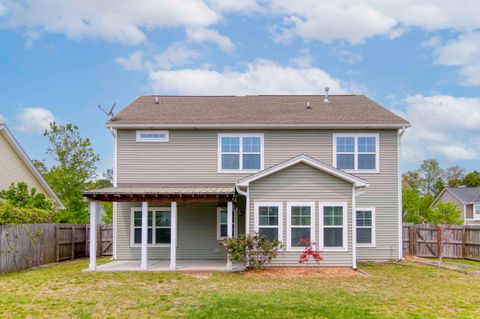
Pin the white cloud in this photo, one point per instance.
(34, 120)
(303, 60)
(443, 127)
(243, 6)
(347, 56)
(258, 77)
(203, 35)
(432, 42)
(175, 55)
(463, 52)
(112, 20)
(355, 21)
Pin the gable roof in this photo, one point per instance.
(357, 182)
(465, 194)
(26, 160)
(259, 111)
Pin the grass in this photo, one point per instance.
(459, 261)
(393, 290)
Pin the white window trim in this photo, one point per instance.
(475, 216)
(240, 135)
(355, 156)
(280, 217)
(235, 223)
(345, 226)
(152, 140)
(373, 227)
(289, 223)
(132, 228)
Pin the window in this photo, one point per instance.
(268, 220)
(152, 136)
(356, 152)
(333, 226)
(158, 227)
(240, 152)
(222, 223)
(476, 211)
(300, 221)
(365, 220)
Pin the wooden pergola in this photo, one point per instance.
(159, 194)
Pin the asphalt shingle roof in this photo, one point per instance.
(466, 194)
(355, 110)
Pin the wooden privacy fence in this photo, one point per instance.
(456, 241)
(73, 241)
(24, 246)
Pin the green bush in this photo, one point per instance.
(10, 214)
(254, 251)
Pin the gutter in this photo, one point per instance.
(255, 126)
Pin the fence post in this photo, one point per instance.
(464, 241)
(87, 236)
(57, 243)
(439, 241)
(73, 242)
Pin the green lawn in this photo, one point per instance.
(393, 290)
(459, 261)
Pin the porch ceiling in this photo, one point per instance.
(163, 193)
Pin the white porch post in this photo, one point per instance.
(143, 263)
(229, 230)
(93, 236)
(173, 236)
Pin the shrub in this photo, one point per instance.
(254, 251)
(10, 214)
(310, 251)
(20, 196)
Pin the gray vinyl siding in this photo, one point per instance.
(197, 233)
(306, 184)
(190, 156)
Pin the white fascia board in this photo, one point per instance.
(254, 126)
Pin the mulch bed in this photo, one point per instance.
(300, 272)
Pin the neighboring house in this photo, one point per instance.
(16, 166)
(467, 199)
(192, 170)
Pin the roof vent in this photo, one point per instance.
(326, 94)
(308, 105)
(156, 100)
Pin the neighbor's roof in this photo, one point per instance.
(465, 194)
(26, 160)
(259, 111)
(165, 189)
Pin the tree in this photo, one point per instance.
(446, 213)
(454, 176)
(438, 187)
(430, 172)
(472, 179)
(413, 179)
(73, 170)
(416, 208)
(106, 181)
(20, 196)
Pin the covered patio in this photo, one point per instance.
(168, 196)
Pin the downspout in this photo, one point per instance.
(400, 200)
(114, 204)
(354, 228)
(247, 208)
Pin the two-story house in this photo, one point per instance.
(192, 170)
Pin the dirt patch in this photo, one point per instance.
(300, 272)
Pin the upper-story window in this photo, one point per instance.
(476, 211)
(240, 152)
(356, 152)
(152, 136)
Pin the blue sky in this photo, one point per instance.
(59, 60)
